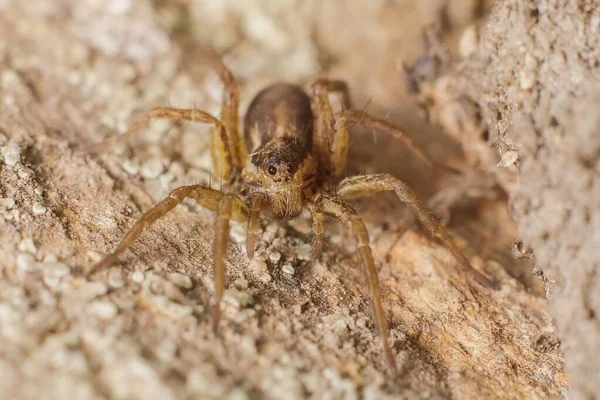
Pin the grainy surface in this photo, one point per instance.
(72, 73)
(533, 85)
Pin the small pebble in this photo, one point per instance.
(91, 290)
(57, 270)
(94, 256)
(152, 168)
(25, 261)
(12, 156)
(179, 309)
(137, 276)
(103, 309)
(241, 284)
(27, 246)
(298, 309)
(237, 298)
(304, 252)
(7, 203)
(9, 78)
(266, 278)
(238, 233)
(53, 282)
(22, 173)
(180, 280)
(244, 315)
(11, 215)
(508, 159)
(468, 41)
(50, 258)
(275, 256)
(258, 265)
(38, 191)
(38, 208)
(131, 167)
(288, 269)
(115, 278)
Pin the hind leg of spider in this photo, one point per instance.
(337, 209)
(330, 145)
(366, 185)
(229, 106)
(224, 162)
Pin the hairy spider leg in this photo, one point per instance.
(364, 118)
(318, 228)
(255, 207)
(330, 142)
(366, 185)
(229, 109)
(337, 209)
(224, 215)
(220, 149)
(205, 196)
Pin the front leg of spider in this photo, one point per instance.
(339, 210)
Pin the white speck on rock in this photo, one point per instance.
(180, 280)
(57, 270)
(238, 233)
(179, 309)
(258, 265)
(50, 258)
(91, 290)
(244, 315)
(508, 159)
(115, 278)
(137, 276)
(22, 173)
(38, 208)
(241, 284)
(288, 269)
(304, 252)
(26, 261)
(119, 6)
(275, 256)
(131, 167)
(12, 155)
(94, 256)
(468, 41)
(103, 309)
(11, 215)
(238, 298)
(27, 246)
(7, 203)
(152, 168)
(9, 78)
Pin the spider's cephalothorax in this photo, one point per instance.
(293, 149)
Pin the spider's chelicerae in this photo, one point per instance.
(293, 149)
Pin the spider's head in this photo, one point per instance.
(278, 170)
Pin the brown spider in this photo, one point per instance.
(298, 147)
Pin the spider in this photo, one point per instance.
(292, 153)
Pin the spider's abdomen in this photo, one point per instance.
(280, 110)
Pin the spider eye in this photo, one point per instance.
(290, 169)
(272, 170)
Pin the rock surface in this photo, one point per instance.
(72, 73)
